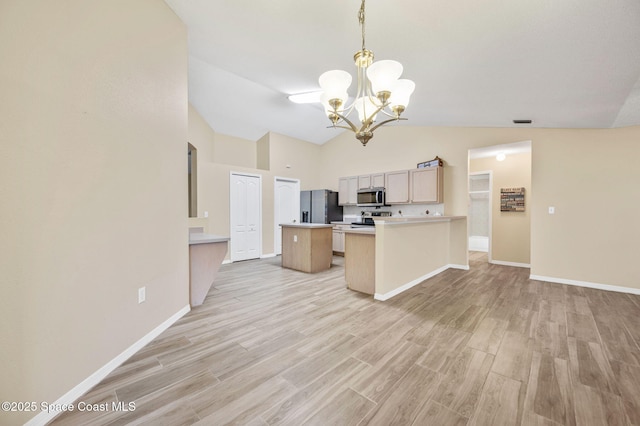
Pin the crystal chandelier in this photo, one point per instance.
(380, 90)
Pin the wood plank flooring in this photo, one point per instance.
(488, 346)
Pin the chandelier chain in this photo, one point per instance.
(361, 20)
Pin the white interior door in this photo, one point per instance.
(245, 216)
(287, 207)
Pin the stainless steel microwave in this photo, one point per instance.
(371, 197)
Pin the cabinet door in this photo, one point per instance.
(377, 180)
(353, 190)
(343, 191)
(338, 241)
(397, 187)
(364, 182)
(426, 185)
(347, 190)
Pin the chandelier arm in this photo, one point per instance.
(339, 127)
(346, 120)
(385, 122)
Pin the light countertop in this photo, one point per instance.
(307, 225)
(399, 220)
(197, 238)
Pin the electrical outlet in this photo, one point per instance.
(206, 214)
(295, 238)
(552, 210)
(142, 294)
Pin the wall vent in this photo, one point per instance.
(522, 121)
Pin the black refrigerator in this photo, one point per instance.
(320, 206)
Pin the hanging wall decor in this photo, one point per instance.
(511, 199)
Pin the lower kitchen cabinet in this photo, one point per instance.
(338, 239)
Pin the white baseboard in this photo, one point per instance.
(82, 388)
(587, 284)
(227, 261)
(516, 264)
(266, 256)
(463, 267)
(407, 286)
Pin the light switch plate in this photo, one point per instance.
(552, 210)
(295, 238)
(142, 294)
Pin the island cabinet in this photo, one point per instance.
(348, 191)
(307, 247)
(426, 185)
(397, 187)
(360, 260)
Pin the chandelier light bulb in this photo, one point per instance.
(335, 84)
(366, 109)
(401, 93)
(383, 75)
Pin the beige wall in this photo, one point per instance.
(293, 158)
(510, 231)
(234, 151)
(201, 136)
(591, 177)
(94, 187)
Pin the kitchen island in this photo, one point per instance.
(407, 252)
(206, 253)
(307, 247)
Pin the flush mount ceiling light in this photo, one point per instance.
(501, 156)
(380, 90)
(306, 98)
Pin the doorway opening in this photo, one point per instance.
(499, 223)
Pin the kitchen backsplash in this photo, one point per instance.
(408, 210)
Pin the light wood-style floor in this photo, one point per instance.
(486, 346)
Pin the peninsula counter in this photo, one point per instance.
(406, 251)
(206, 253)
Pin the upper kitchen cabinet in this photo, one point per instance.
(397, 187)
(375, 180)
(426, 185)
(348, 191)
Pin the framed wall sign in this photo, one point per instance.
(511, 199)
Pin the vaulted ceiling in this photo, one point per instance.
(560, 63)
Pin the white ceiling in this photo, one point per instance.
(560, 63)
